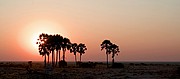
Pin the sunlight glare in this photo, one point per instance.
(29, 35)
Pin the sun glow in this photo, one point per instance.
(30, 33)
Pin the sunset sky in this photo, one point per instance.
(145, 30)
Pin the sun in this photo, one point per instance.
(30, 33)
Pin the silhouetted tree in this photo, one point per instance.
(106, 45)
(74, 50)
(43, 46)
(81, 49)
(66, 44)
(115, 50)
(44, 52)
(58, 45)
(51, 46)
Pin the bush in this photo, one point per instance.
(178, 70)
(62, 63)
(118, 65)
(86, 65)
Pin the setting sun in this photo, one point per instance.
(29, 34)
(96, 39)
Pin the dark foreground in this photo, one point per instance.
(18, 70)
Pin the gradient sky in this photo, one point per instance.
(145, 30)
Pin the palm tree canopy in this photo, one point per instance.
(58, 42)
(74, 48)
(51, 42)
(42, 41)
(106, 45)
(114, 49)
(66, 43)
(81, 48)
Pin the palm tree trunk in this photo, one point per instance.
(113, 61)
(80, 57)
(52, 58)
(63, 55)
(107, 60)
(75, 58)
(45, 61)
(48, 59)
(64, 64)
(56, 57)
(59, 57)
(113, 57)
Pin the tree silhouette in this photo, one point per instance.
(51, 46)
(58, 45)
(66, 44)
(74, 50)
(115, 50)
(42, 41)
(106, 45)
(81, 49)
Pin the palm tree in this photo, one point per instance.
(81, 49)
(51, 46)
(74, 50)
(45, 37)
(48, 48)
(106, 45)
(60, 39)
(58, 45)
(43, 46)
(66, 44)
(43, 51)
(115, 50)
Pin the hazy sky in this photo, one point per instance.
(145, 30)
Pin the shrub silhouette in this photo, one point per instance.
(178, 71)
(63, 63)
(118, 65)
(87, 65)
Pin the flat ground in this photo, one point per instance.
(17, 70)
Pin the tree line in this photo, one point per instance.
(54, 44)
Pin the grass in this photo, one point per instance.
(17, 70)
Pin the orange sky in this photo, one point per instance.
(144, 30)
